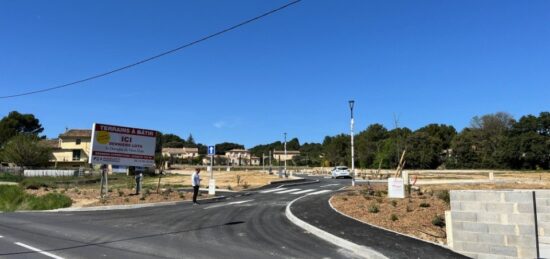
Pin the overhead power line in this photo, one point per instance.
(155, 56)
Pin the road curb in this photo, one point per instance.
(122, 207)
(359, 250)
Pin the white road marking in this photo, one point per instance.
(304, 191)
(329, 184)
(291, 190)
(1, 236)
(38, 250)
(319, 192)
(226, 204)
(273, 190)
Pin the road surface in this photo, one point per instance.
(250, 226)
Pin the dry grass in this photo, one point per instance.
(234, 180)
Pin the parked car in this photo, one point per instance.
(340, 172)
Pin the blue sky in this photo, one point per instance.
(422, 61)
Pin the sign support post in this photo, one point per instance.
(212, 181)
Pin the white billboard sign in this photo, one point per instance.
(125, 146)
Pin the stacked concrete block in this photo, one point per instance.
(498, 224)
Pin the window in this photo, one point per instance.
(78, 141)
(76, 155)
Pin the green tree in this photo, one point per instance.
(483, 144)
(369, 144)
(26, 150)
(528, 143)
(337, 149)
(226, 146)
(311, 153)
(423, 151)
(16, 123)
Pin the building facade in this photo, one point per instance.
(238, 157)
(183, 153)
(290, 154)
(71, 149)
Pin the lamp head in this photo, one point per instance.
(351, 103)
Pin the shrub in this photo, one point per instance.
(373, 208)
(344, 198)
(394, 203)
(352, 193)
(182, 195)
(35, 183)
(229, 187)
(246, 185)
(126, 199)
(424, 205)
(49, 201)
(11, 196)
(409, 209)
(439, 221)
(444, 196)
(120, 193)
(393, 217)
(9, 177)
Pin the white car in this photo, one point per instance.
(340, 172)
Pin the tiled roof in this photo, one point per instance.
(51, 143)
(238, 150)
(185, 150)
(288, 152)
(75, 133)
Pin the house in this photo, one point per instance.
(238, 157)
(71, 149)
(254, 160)
(290, 154)
(183, 153)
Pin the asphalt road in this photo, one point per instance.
(250, 226)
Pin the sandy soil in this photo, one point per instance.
(411, 219)
(121, 192)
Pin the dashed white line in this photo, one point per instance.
(38, 250)
(273, 190)
(285, 191)
(319, 192)
(304, 191)
(1, 236)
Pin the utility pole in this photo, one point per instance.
(351, 104)
(263, 162)
(270, 165)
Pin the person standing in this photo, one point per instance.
(196, 182)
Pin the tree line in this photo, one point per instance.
(491, 141)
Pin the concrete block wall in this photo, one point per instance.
(498, 223)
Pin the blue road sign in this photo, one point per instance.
(211, 150)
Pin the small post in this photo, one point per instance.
(270, 172)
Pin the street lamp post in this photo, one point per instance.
(285, 156)
(351, 103)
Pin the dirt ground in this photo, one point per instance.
(122, 190)
(234, 180)
(410, 217)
